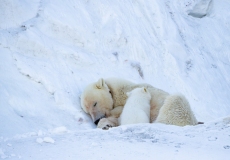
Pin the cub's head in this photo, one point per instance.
(139, 92)
(96, 100)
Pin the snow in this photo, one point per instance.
(51, 50)
(142, 141)
(48, 140)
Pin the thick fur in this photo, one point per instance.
(137, 107)
(176, 111)
(106, 98)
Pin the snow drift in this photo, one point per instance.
(50, 50)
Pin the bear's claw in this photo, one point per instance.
(107, 127)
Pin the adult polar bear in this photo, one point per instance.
(104, 101)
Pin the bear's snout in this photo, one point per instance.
(97, 121)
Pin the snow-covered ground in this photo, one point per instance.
(51, 50)
(143, 141)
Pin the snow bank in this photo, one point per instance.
(140, 141)
(51, 50)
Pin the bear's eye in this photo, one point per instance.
(95, 104)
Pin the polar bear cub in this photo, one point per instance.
(137, 107)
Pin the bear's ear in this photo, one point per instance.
(100, 83)
(145, 90)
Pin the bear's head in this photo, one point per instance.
(96, 100)
(139, 92)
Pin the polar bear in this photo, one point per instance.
(137, 107)
(104, 101)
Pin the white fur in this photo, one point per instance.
(176, 111)
(137, 107)
(106, 98)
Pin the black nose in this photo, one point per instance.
(96, 122)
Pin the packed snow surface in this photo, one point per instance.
(51, 50)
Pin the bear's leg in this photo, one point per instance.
(116, 112)
(106, 123)
(176, 111)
